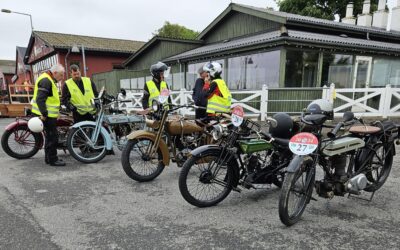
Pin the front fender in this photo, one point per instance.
(103, 131)
(295, 164)
(138, 134)
(213, 149)
(15, 124)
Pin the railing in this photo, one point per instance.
(371, 102)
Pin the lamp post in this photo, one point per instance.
(75, 49)
(20, 13)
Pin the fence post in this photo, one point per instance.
(325, 92)
(387, 94)
(182, 101)
(332, 93)
(264, 102)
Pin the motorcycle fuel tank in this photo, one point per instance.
(341, 145)
(175, 127)
(254, 145)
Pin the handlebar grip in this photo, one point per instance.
(333, 133)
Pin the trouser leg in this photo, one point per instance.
(51, 140)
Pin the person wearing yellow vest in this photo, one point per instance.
(153, 88)
(46, 104)
(77, 93)
(218, 94)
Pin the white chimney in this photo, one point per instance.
(349, 14)
(380, 18)
(395, 24)
(365, 19)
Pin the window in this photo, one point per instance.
(301, 68)
(385, 71)
(337, 69)
(192, 75)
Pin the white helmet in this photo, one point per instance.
(213, 68)
(35, 125)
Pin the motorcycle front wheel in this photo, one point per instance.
(138, 164)
(20, 142)
(80, 146)
(296, 193)
(207, 180)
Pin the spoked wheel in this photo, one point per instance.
(20, 142)
(137, 162)
(379, 167)
(206, 181)
(80, 145)
(296, 193)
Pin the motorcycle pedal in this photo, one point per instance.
(237, 189)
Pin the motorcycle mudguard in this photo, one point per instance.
(16, 124)
(216, 149)
(138, 134)
(109, 144)
(295, 164)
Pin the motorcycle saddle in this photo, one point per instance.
(364, 130)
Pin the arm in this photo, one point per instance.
(44, 91)
(66, 97)
(213, 86)
(95, 92)
(197, 91)
(145, 98)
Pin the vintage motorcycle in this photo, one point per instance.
(168, 138)
(19, 142)
(90, 142)
(359, 160)
(246, 156)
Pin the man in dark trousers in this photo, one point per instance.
(199, 96)
(77, 93)
(46, 104)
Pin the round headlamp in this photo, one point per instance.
(217, 132)
(154, 105)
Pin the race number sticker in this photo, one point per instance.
(163, 97)
(303, 143)
(237, 115)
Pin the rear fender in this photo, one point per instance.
(217, 150)
(107, 136)
(139, 134)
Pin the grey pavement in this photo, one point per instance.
(97, 206)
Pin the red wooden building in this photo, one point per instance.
(7, 71)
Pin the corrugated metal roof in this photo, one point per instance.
(292, 35)
(59, 40)
(7, 66)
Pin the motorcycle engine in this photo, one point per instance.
(329, 187)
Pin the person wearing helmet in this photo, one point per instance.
(46, 105)
(153, 88)
(77, 94)
(219, 96)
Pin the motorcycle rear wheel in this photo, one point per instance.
(296, 184)
(78, 147)
(137, 164)
(202, 176)
(379, 167)
(24, 147)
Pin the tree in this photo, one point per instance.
(326, 9)
(176, 31)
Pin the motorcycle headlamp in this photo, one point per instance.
(217, 132)
(155, 106)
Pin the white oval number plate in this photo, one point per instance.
(303, 143)
(237, 115)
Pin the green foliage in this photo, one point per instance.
(176, 31)
(326, 9)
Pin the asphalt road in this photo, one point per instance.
(98, 207)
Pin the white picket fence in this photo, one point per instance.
(368, 102)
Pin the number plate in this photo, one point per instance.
(303, 143)
(237, 115)
(163, 97)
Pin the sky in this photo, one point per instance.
(122, 19)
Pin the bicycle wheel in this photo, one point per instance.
(205, 181)
(379, 167)
(20, 142)
(137, 163)
(296, 193)
(80, 146)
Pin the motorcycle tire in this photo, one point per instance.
(378, 181)
(289, 184)
(38, 141)
(129, 166)
(226, 180)
(98, 154)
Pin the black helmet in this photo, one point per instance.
(284, 126)
(123, 92)
(319, 111)
(157, 68)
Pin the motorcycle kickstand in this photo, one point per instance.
(360, 198)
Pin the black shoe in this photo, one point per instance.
(110, 152)
(58, 163)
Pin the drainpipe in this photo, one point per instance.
(66, 65)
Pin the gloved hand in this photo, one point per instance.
(72, 108)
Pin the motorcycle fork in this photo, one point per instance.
(156, 143)
(97, 129)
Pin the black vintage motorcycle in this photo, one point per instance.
(246, 156)
(359, 160)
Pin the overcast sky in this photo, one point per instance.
(133, 20)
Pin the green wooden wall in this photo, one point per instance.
(238, 24)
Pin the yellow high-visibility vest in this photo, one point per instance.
(79, 100)
(52, 102)
(220, 104)
(153, 90)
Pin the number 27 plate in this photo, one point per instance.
(303, 143)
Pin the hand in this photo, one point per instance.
(43, 118)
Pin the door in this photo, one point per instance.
(362, 76)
